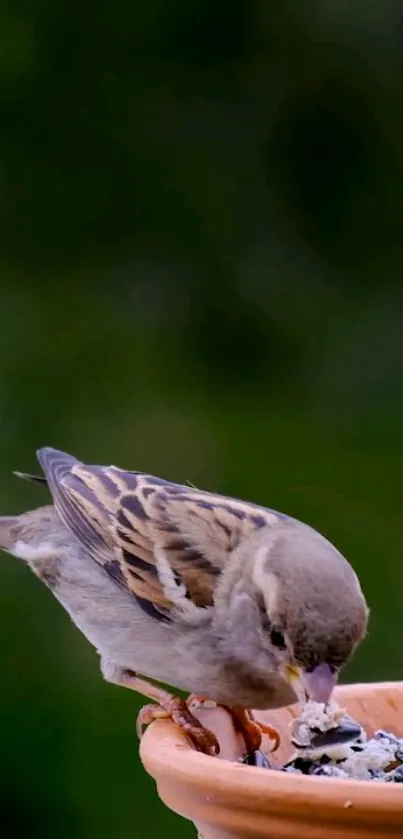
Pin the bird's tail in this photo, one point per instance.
(8, 531)
(36, 479)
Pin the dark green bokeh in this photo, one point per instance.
(201, 253)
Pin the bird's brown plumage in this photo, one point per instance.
(124, 518)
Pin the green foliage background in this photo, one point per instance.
(200, 276)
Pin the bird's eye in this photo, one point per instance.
(277, 639)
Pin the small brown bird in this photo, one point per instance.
(218, 597)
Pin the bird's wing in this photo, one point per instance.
(165, 543)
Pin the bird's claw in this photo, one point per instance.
(252, 730)
(177, 710)
(245, 724)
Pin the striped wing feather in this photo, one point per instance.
(164, 543)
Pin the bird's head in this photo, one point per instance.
(313, 612)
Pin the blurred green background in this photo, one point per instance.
(201, 254)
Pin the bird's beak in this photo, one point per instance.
(320, 683)
(317, 685)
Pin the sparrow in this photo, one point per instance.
(223, 599)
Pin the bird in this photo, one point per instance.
(223, 599)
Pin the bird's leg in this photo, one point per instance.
(167, 706)
(244, 722)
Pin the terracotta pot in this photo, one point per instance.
(225, 799)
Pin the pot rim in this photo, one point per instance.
(168, 757)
